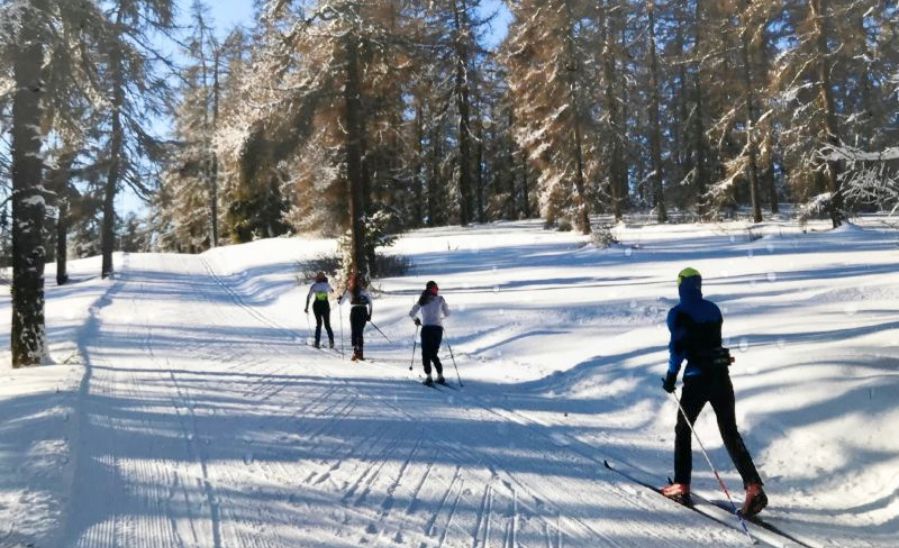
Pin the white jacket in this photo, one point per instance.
(433, 312)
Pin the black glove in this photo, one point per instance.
(306, 311)
(368, 318)
(669, 382)
(417, 322)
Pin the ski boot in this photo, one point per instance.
(755, 501)
(331, 343)
(440, 379)
(679, 492)
(428, 381)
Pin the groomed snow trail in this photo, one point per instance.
(205, 422)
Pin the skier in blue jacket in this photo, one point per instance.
(695, 326)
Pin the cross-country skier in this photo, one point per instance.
(433, 309)
(695, 326)
(360, 311)
(321, 289)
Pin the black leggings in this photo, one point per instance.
(431, 335)
(358, 319)
(322, 311)
(718, 391)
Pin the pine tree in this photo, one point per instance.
(822, 88)
(743, 27)
(135, 97)
(59, 182)
(655, 137)
(191, 175)
(547, 75)
(328, 63)
(612, 57)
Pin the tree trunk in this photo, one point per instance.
(583, 207)
(479, 180)
(214, 168)
(463, 105)
(825, 93)
(434, 179)
(768, 181)
(699, 145)
(655, 138)
(750, 124)
(354, 152)
(116, 149)
(62, 236)
(510, 159)
(679, 127)
(525, 193)
(59, 184)
(418, 178)
(615, 160)
(28, 334)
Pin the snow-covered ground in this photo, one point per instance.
(186, 409)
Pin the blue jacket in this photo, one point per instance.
(695, 327)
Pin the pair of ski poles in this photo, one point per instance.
(448, 345)
(712, 466)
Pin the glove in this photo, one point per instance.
(417, 322)
(306, 311)
(669, 382)
(368, 318)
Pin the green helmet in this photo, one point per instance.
(688, 272)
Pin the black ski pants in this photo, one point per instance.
(718, 391)
(358, 319)
(431, 336)
(322, 311)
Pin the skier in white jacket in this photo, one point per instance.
(433, 309)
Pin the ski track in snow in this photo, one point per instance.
(202, 419)
(180, 486)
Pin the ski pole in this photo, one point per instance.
(712, 466)
(379, 331)
(414, 342)
(308, 327)
(448, 345)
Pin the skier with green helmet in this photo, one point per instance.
(695, 327)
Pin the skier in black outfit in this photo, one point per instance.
(360, 312)
(321, 308)
(695, 326)
(433, 309)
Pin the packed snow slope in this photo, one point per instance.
(186, 408)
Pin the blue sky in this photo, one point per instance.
(228, 13)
